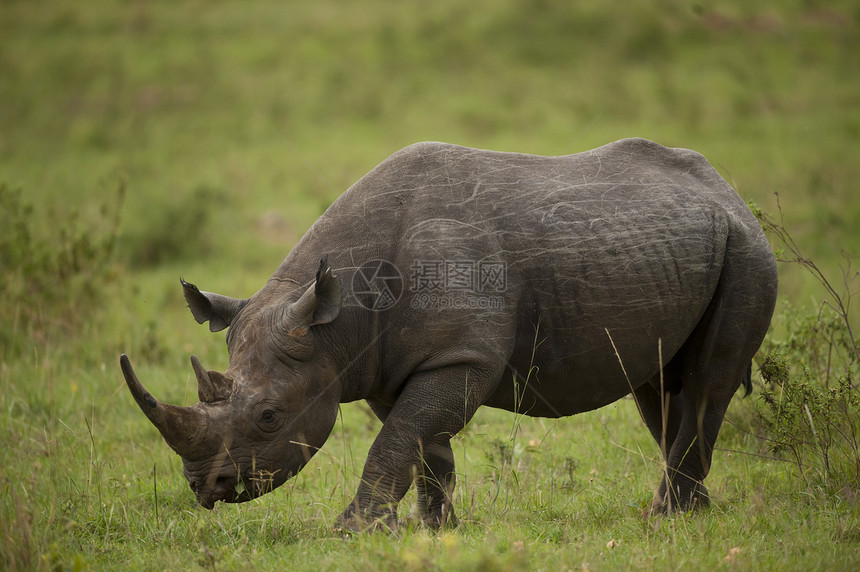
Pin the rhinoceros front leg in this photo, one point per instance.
(435, 482)
(415, 442)
(434, 477)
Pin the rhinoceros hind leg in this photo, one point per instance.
(694, 417)
(662, 413)
(713, 364)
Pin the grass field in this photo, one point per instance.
(144, 141)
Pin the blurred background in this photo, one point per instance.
(143, 140)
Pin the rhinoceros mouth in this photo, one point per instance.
(237, 490)
(222, 488)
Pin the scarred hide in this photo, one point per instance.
(449, 275)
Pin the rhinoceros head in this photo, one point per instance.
(261, 420)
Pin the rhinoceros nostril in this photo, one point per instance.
(224, 486)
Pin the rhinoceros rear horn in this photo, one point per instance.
(212, 386)
(183, 428)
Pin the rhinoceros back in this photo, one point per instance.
(627, 241)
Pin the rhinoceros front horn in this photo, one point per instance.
(183, 428)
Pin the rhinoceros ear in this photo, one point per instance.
(218, 310)
(320, 304)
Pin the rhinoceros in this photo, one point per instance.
(449, 278)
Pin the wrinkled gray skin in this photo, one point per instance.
(610, 254)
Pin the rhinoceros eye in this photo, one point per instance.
(269, 420)
(269, 417)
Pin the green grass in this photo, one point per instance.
(220, 131)
(92, 497)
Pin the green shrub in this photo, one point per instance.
(811, 406)
(54, 267)
(815, 424)
(180, 229)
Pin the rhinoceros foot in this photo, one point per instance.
(443, 518)
(352, 521)
(679, 500)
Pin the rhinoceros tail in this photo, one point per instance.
(747, 381)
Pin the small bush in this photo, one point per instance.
(811, 407)
(815, 425)
(54, 266)
(181, 229)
